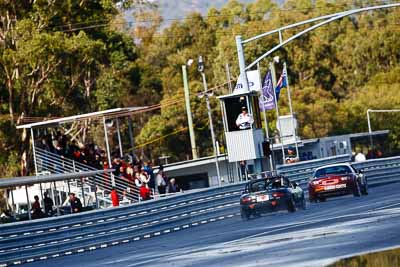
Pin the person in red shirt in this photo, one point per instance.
(114, 198)
(145, 192)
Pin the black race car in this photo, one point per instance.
(270, 194)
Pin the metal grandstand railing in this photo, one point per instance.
(100, 184)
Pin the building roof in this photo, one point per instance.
(107, 114)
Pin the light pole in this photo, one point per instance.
(207, 94)
(189, 111)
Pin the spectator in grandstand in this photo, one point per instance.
(116, 164)
(138, 180)
(144, 177)
(122, 172)
(76, 204)
(145, 192)
(136, 169)
(97, 163)
(48, 204)
(36, 209)
(161, 180)
(173, 186)
(150, 173)
(129, 173)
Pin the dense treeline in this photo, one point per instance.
(53, 63)
(336, 72)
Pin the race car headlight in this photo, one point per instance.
(315, 182)
(344, 178)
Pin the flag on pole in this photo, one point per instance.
(266, 99)
(282, 83)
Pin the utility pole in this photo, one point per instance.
(189, 113)
(207, 95)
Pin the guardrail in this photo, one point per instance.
(302, 171)
(41, 239)
(380, 171)
(19, 242)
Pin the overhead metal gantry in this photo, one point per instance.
(325, 20)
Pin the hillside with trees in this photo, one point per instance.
(60, 59)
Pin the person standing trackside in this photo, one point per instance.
(161, 181)
(173, 186)
(76, 204)
(114, 197)
(244, 120)
(48, 204)
(36, 210)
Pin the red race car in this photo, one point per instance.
(335, 180)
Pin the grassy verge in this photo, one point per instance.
(387, 258)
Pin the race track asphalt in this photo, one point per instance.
(323, 233)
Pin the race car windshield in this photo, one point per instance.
(332, 170)
(258, 186)
(269, 184)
